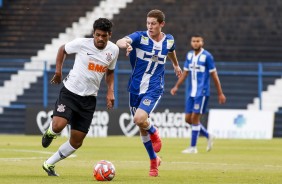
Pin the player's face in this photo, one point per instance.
(154, 27)
(101, 38)
(197, 43)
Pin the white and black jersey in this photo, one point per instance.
(90, 65)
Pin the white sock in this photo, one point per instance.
(145, 138)
(64, 151)
(149, 126)
(51, 129)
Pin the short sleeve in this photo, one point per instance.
(135, 38)
(210, 63)
(186, 63)
(113, 63)
(73, 46)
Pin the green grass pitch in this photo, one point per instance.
(231, 161)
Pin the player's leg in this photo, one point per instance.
(195, 131)
(210, 137)
(194, 134)
(148, 104)
(188, 118)
(60, 117)
(64, 151)
(198, 106)
(140, 117)
(155, 161)
(80, 117)
(203, 130)
(56, 126)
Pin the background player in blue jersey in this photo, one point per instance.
(148, 51)
(200, 65)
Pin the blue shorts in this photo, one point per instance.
(146, 102)
(196, 105)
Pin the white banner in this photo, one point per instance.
(241, 124)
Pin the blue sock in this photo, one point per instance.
(204, 131)
(195, 134)
(149, 147)
(150, 129)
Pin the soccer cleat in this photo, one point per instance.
(191, 150)
(156, 141)
(49, 169)
(155, 163)
(47, 138)
(210, 142)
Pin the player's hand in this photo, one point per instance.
(221, 99)
(110, 99)
(57, 79)
(128, 49)
(173, 90)
(177, 71)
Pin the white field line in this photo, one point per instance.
(27, 151)
(201, 163)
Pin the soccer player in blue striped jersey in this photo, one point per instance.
(148, 51)
(200, 66)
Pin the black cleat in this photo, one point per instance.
(49, 169)
(47, 138)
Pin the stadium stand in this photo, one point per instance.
(26, 26)
(234, 31)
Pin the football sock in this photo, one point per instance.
(51, 129)
(64, 151)
(204, 131)
(150, 129)
(195, 134)
(149, 146)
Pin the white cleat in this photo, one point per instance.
(210, 142)
(190, 150)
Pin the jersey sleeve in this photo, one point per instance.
(73, 46)
(186, 63)
(113, 63)
(210, 63)
(170, 43)
(135, 38)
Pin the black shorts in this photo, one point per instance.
(78, 110)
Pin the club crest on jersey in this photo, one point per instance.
(144, 40)
(61, 108)
(169, 44)
(196, 106)
(147, 102)
(202, 58)
(109, 57)
(189, 57)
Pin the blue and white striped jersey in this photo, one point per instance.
(147, 60)
(199, 67)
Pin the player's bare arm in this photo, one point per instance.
(61, 55)
(124, 43)
(177, 69)
(179, 82)
(110, 93)
(221, 96)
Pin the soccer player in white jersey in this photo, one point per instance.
(77, 100)
(148, 51)
(200, 65)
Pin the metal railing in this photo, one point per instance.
(258, 69)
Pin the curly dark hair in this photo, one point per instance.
(103, 24)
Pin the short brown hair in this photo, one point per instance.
(158, 14)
